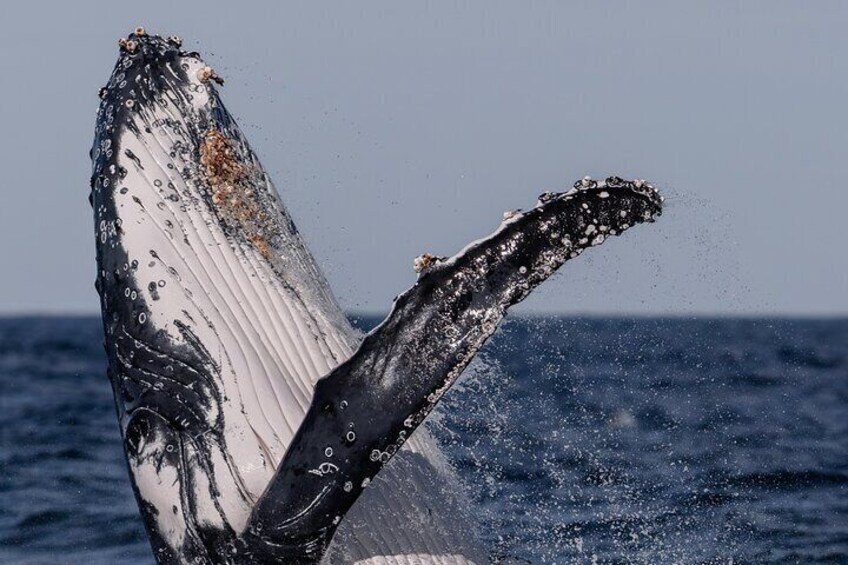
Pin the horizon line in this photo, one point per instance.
(751, 315)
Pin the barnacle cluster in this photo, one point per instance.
(424, 261)
(205, 74)
(223, 169)
(232, 195)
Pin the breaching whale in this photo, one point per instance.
(258, 426)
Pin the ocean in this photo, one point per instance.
(580, 440)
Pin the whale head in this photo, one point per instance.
(217, 319)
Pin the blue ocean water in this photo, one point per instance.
(580, 440)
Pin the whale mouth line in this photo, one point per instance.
(219, 326)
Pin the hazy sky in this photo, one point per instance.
(393, 128)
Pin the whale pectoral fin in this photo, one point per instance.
(365, 409)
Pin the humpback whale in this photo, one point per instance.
(258, 425)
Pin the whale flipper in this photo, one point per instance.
(367, 407)
(218, 324)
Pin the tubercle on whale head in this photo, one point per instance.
(205, 74)
(141, 48)
(141, 32)
(138, 77)
(139, 41)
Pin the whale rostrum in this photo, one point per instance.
(258, 426)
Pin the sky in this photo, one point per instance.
(394, 128)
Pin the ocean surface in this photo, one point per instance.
(581, 440)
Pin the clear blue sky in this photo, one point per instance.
(394, 128)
